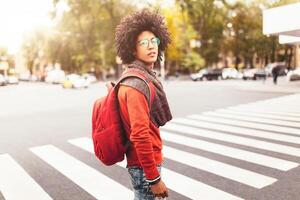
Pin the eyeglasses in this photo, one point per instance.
(145, 42)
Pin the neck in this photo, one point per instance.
(149, 65)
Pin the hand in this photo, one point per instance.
(160, 189)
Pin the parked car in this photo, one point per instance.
(90, 77)
(55, 76)
(207, 74)
(2, 80)
(28, 77)
(12, 79)
(231, 73)
(198, 76)
(75, 81)
(254, 74)
(294, 75)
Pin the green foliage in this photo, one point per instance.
(193, 62)
(182, 32)
(84, 35)
(208, 19)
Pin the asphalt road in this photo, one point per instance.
(37, 122)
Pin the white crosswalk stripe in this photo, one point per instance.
(184, 185)
(228, 171)
(234, 129)
(253, 119)
(271, 108)
(231, 138)
(16, 184)
(231, 152)
(247, 124)
(263, 111)
(221, 169)
(92, 181)
(233, 125)
(259, 115)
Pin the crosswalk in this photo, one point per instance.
(265, 134)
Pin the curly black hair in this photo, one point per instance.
(132, 25)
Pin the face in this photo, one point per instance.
(147, 47)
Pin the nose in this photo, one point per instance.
(150, 45)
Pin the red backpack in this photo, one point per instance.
(108, 132)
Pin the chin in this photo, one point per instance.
(151, 60)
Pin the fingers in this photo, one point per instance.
(162, 195)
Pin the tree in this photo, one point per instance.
(179, 55)
(86, 34)
(208, 19)
(34, 46)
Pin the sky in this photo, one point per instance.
(20, 16)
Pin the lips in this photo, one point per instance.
(151, 54)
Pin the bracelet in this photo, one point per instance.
(154, 181)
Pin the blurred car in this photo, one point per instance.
(281, 65)
(207, 74)
(28, 77)
(294, 75)
(12, 79)
(75, 81)
(198, 76)
(2, 80)
(55, 76)
(260, 74)
(90, 77)
(231, 73)
(24, 76)
(254, 74)
(33, 78)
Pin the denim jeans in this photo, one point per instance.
(141, 188)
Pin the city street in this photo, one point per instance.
(228, 140)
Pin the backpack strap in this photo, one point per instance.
(141, 77)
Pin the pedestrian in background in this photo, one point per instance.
(275, 73)
(140, 40)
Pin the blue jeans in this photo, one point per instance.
(141, 188)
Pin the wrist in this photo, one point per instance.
(154, 181)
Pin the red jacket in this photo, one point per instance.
(146, 147)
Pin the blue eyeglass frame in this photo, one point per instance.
(145, 42)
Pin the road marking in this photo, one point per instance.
(253, 110)
(179, 183)
(254, 119)
(269, 108)
(259, 115)
(221, 169)
(15, 183)
(231, 128)
(193, 189)
(230, 138)
(255, 158)
(252, 125)
(92, 181)
(238, 130)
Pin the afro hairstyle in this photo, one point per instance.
(134, 24)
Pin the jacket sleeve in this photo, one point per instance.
(139, 118)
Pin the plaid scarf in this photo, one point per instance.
(160, 112)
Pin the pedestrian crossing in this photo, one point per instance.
(222, 132)
(18, 189)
